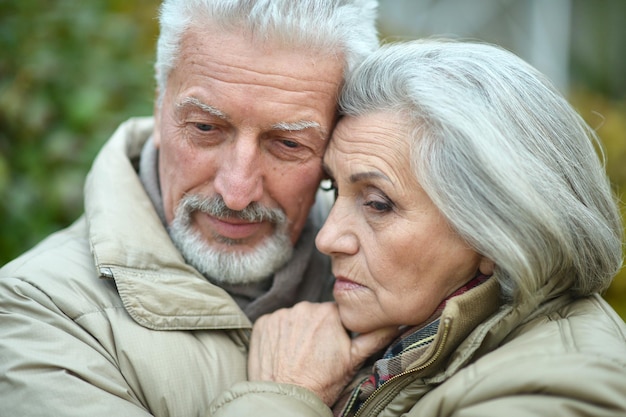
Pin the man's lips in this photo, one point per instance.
(233, 228)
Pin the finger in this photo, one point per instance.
(253, 354)
(365, 345)
(260, 350)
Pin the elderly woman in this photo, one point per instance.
(474, 222)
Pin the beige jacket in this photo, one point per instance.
(106, 319)
(564, 358)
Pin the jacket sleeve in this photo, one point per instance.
(268, 399)
(49, 365)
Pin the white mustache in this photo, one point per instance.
(215, 206)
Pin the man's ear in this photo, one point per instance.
(156, 131)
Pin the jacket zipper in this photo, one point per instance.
(393, 392)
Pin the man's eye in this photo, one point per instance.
(289, 149)
(204, 127)
(290, 143)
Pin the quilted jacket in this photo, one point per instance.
(105, 318)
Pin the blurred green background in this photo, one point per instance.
(71, 72)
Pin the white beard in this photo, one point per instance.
(230, 266)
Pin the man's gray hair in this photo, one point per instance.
(345, 28)
(506, 159)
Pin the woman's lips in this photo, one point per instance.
(344, 284)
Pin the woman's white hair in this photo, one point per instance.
(345, 28)
(505, 158)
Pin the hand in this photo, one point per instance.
(308, 346)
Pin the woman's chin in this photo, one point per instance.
(354, 322)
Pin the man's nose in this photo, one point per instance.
(240, 177)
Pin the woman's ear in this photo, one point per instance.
(486, 266)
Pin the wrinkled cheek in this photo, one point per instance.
(304, 186)
(169, 205)
(173, 171)
(355, 306)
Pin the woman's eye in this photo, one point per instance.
(380, 206)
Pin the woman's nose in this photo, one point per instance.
(338, 234)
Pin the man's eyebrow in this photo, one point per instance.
(193, 102)
(299, 125)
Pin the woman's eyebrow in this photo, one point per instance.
(359, 176)
(368, 175)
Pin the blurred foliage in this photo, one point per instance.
(70, 73)
(608, 118)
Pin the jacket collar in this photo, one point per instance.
(461, 316)
(130, 245)
(475, 323)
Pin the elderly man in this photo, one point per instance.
(197, 221)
